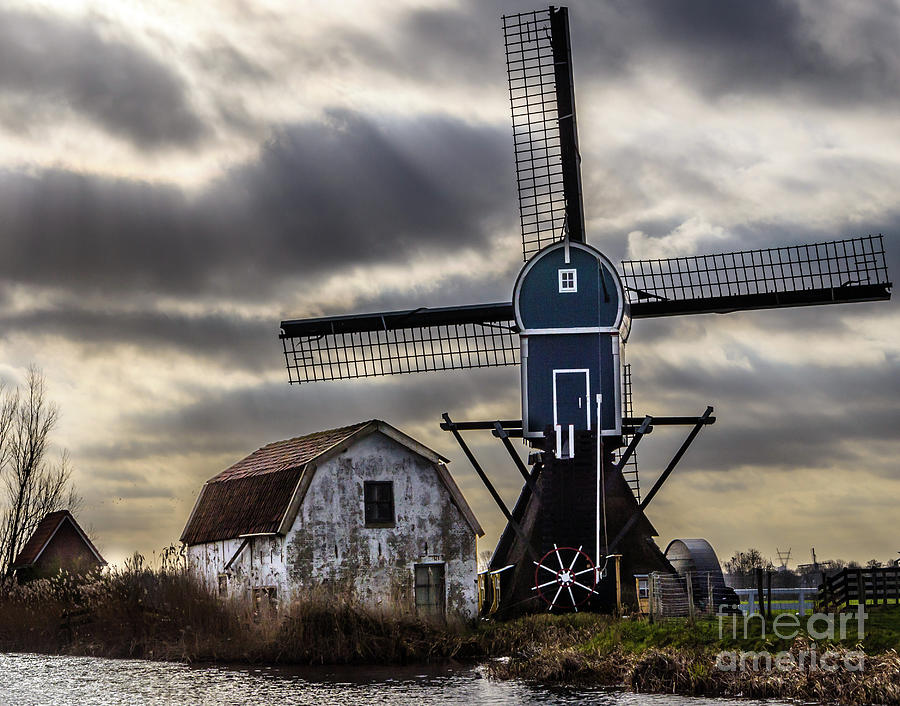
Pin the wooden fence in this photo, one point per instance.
(854, 586)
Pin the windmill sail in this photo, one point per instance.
(839, 271)
(390, 343)
(542, 102)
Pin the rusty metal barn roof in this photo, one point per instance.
(244, 505)
(42, 535)
(290, 453)
(253, 496)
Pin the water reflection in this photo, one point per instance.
(36, 680)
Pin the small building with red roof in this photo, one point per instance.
(57, 543)
(362, 510)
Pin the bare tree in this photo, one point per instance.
(31, 485)
(745, 563)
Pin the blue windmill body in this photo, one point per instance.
(573, 321)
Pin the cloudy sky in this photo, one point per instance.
(176, 178)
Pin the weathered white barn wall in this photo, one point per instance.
(260, 565)
(329, 545)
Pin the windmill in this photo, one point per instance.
(566, 326)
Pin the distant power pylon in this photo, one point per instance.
(784, 558)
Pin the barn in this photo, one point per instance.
(363, 510)
(57, 543)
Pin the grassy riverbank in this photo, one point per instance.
(165, 614)
(678, 656)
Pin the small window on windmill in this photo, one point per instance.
(568, 281)
(223, 584)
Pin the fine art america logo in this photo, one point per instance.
(819, 626)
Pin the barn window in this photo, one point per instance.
(264, 598)
(223, 584)
(379, 501)
(568, 280)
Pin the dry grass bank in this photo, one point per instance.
(166, 614)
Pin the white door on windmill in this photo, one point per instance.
(571, 408)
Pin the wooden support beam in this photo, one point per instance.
(644, 428)
(452, 428)
(237, 553)
(475, 426)
(502, 434)
(699, 423)
(670, 421)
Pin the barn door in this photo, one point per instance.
(430, 590)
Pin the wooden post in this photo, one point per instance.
(689, 583)
(618, 558)
(768, 595)
(861, 589)
(895, 582)
(650, 596)
(759, 591)
(710, 603)
(897, 585)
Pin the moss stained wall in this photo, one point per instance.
(329, 543)
(329, 547)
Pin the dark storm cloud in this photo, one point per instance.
(250, 344)
(432, 46)
(451, 43)
(770, 46)
(721, 48)
(350, 190)
(323, 196)
(50, 65)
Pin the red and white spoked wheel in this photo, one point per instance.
(565, 577)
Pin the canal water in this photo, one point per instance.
(36, 680)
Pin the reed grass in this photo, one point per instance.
(165, 613)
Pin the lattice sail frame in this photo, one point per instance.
(535, 122)
(853, 270)
(359, 354)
